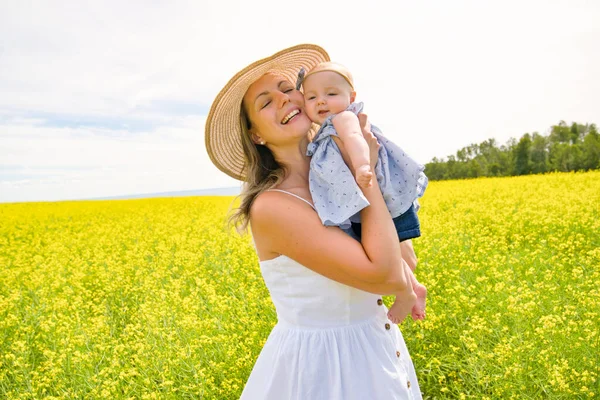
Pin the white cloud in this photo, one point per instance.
(72, 163)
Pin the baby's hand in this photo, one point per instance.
(363, 176)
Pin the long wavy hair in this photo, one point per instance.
(262, 173)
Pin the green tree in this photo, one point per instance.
(564, 157)
(474, 169)
(560, 133)
(575, 128)
(436, 169)
(591, 149)
(566, 148)
(522, 156)
(539, 154)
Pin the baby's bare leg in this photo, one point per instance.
(418, 311)
(408, 254)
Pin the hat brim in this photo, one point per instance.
(223, 130)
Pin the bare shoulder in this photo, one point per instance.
(275, 216)
(261, 206)
(270, 205)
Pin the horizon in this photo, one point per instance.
(220, 191)
(235, 190)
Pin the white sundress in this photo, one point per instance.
(331, 342)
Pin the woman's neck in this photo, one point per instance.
(297, 174)
(297, 165)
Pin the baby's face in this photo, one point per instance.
(326, 93)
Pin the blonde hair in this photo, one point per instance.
(262, 173)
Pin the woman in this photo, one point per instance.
(332, 339)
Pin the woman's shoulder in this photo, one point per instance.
(262, 203)
(274, 216)
(274, 203)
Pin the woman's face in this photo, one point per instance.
(276, 111)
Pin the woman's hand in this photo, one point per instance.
(365, 127)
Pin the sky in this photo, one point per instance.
(109, 98)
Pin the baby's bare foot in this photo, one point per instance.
(418, 310)
(394, 312)
(363, 176)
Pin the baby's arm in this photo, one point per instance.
(348, 129)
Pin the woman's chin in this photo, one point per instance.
(300, 124)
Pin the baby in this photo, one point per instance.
(329, 101)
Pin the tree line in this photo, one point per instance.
(565, 148)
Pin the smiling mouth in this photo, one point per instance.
(289, 117)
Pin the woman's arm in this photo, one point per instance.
(391, 287)
(282, 224)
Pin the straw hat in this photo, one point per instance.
(223, 129)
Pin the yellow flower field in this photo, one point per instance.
(157, 299)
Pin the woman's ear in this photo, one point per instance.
(256, 138)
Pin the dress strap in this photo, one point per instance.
(295, 195)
